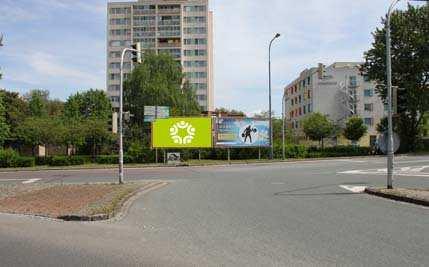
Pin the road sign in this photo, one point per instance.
(239, 132)
(382, 142)
(182, 133)
(173, 158)
(161, 112)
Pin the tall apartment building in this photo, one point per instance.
(339, 91)
(182, 28)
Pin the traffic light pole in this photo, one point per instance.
(121, 111)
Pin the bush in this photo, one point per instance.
(68, 161)
(42, 161)
(11, 159)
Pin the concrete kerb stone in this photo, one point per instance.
(121, 208)
(377, 192)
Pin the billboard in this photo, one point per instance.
(161, 113)
(182, 133)
(233, 132)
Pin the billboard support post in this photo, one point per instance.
(259, 153)
(229, 156)
(199, 154)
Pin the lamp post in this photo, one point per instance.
(137, 50)
(390, 152)
(269, 93)
(283, 125)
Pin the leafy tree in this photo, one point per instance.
(4, 128)
(96, 135)
(410, 68)
(16, 110)
(317, 126)
(55, 107)
(38, 102)
(89, 104)
(230, 112)
(35, 131)
(74, 133)
(158, 81)
(355, 129)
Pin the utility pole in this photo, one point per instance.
(269, 97)
(138, 58)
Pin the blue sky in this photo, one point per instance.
(59, 45)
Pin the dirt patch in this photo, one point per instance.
(65, 200)
(416, 196)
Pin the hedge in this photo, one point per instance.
(11, 159)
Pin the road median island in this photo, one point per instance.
(71, 202)
(414, 196)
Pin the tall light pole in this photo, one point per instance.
(283, 125)
(269, 100)
(136, 49)
(390, 152)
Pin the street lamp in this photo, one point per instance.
(283, 124)
(1, 39)
(269, 109)
(137, 53)
(390, 152)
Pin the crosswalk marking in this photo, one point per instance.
(417, 171)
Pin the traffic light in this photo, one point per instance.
(137, 55)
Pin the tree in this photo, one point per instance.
(16, 110)
(96, 135)
(355, 129)
(37, 102)
(4, 128)
(90, 104)
(317, 126)
(410, 68)
(230, 112)
(158, 81)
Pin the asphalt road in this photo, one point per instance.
(282, 214)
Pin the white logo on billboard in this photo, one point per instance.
(180, 139)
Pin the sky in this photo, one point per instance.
(60, 45)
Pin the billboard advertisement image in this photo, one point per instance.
(233, 132)
(182, 133)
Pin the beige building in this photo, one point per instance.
(182, 28)
(339, 91)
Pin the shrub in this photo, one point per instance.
(59, 161)
(11, 159)
(41, 161)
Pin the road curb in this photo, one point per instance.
(376, 192)
(121, 208)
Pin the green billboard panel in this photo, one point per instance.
(182, 133)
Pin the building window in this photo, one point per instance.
(195, 8)
(195, 64)
(120, 10)
(114, 87)
(196, 41)
(195, 53)
(368, 92)
(300, 99)
(309, 108)
(369, 107)
(201, 97)
(305, 110)
(196, 30)
(196, 75)
(199, 86)
(195, 19)
(369, 121)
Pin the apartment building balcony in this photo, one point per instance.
(173, 11)
(169, 45)
(144, 12)
(169, 34)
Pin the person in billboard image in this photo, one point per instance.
(247, 133)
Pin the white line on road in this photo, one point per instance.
(30, 181)
(354, 189)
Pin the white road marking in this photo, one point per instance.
(277, 183)
(400, 171)
(30, 181)
(354, 189)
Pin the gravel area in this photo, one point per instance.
(60, 200)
